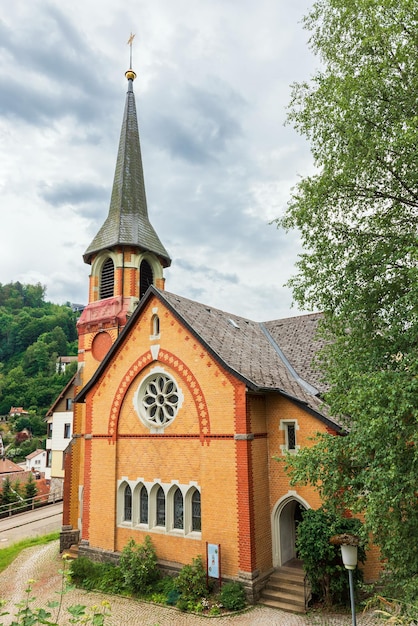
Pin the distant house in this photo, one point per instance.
(59, 420)
(11, 470)
(36, 461)
(17, 411)
(63, 362)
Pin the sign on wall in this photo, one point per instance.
(213, 561)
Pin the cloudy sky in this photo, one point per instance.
(212, 89)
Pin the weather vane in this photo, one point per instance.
(130, 40)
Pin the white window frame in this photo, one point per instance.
(284, 426)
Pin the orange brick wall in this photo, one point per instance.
(198, 446)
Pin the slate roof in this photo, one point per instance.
(127, 222)
(275, 355)
(272, 356)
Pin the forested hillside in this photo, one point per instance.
(33, 333)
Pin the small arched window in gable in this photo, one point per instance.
(146, 277)
(107, 279)
(155, 325)
(127, 504)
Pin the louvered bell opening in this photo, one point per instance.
(146, 277)
(107, 283)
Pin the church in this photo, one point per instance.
(181, 409)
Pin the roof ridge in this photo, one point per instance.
(303, 383)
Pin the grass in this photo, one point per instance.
(8, 555)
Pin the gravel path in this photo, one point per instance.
(43, 564)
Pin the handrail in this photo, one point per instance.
(26, 504)
(307, 591)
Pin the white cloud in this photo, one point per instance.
(212, 88)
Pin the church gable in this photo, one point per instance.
(148, 388)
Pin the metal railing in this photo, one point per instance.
(29, 504)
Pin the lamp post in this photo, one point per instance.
(349, 556)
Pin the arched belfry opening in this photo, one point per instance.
(107, 279)
(146, 277)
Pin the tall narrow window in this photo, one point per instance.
(143, 506)
(145, 277)
(127, 504)
(196, 516)
(107, 280)
(178, 509)
(155, 325)
(290, 429)
(291, 436)
(160, 507)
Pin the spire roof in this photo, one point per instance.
(127, 223)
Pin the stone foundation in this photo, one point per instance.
(68, 537)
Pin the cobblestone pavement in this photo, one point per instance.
(43, 564)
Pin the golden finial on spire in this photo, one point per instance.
(130, 74)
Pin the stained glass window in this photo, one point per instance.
(178, 509)
(196, 516)
(160, 507)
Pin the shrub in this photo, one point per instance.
(191, 581)
(85, 573)
(322, 560)
(232, 596)
(111, 579)
(138, 563)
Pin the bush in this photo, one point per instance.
(191, 581)
(322, 560)
(232, 596)
(138, 563)
(85, 573)
(111, 579)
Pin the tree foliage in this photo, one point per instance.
(322, 560)
(358, 217)
(33, 333)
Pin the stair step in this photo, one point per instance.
(284, 606)
(290, 580)
(286, 590)
(294, 592)
(271, 594)
(71, 552)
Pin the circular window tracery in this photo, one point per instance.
(158, 400)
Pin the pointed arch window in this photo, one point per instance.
(160, 507)
(146, 277)
(127, 504)
(178, 509)
(107, 279)
(196, 514)
(143, 506)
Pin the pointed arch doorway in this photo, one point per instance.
(285, 518)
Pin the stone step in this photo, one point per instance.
(290, 577)
(290, 607)
(71, 552)
(286, 596)
(286, 590)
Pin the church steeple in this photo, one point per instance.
(127, 223)
(126, 255)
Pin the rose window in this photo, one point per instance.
(158, 400)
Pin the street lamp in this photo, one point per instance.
(349, 556)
